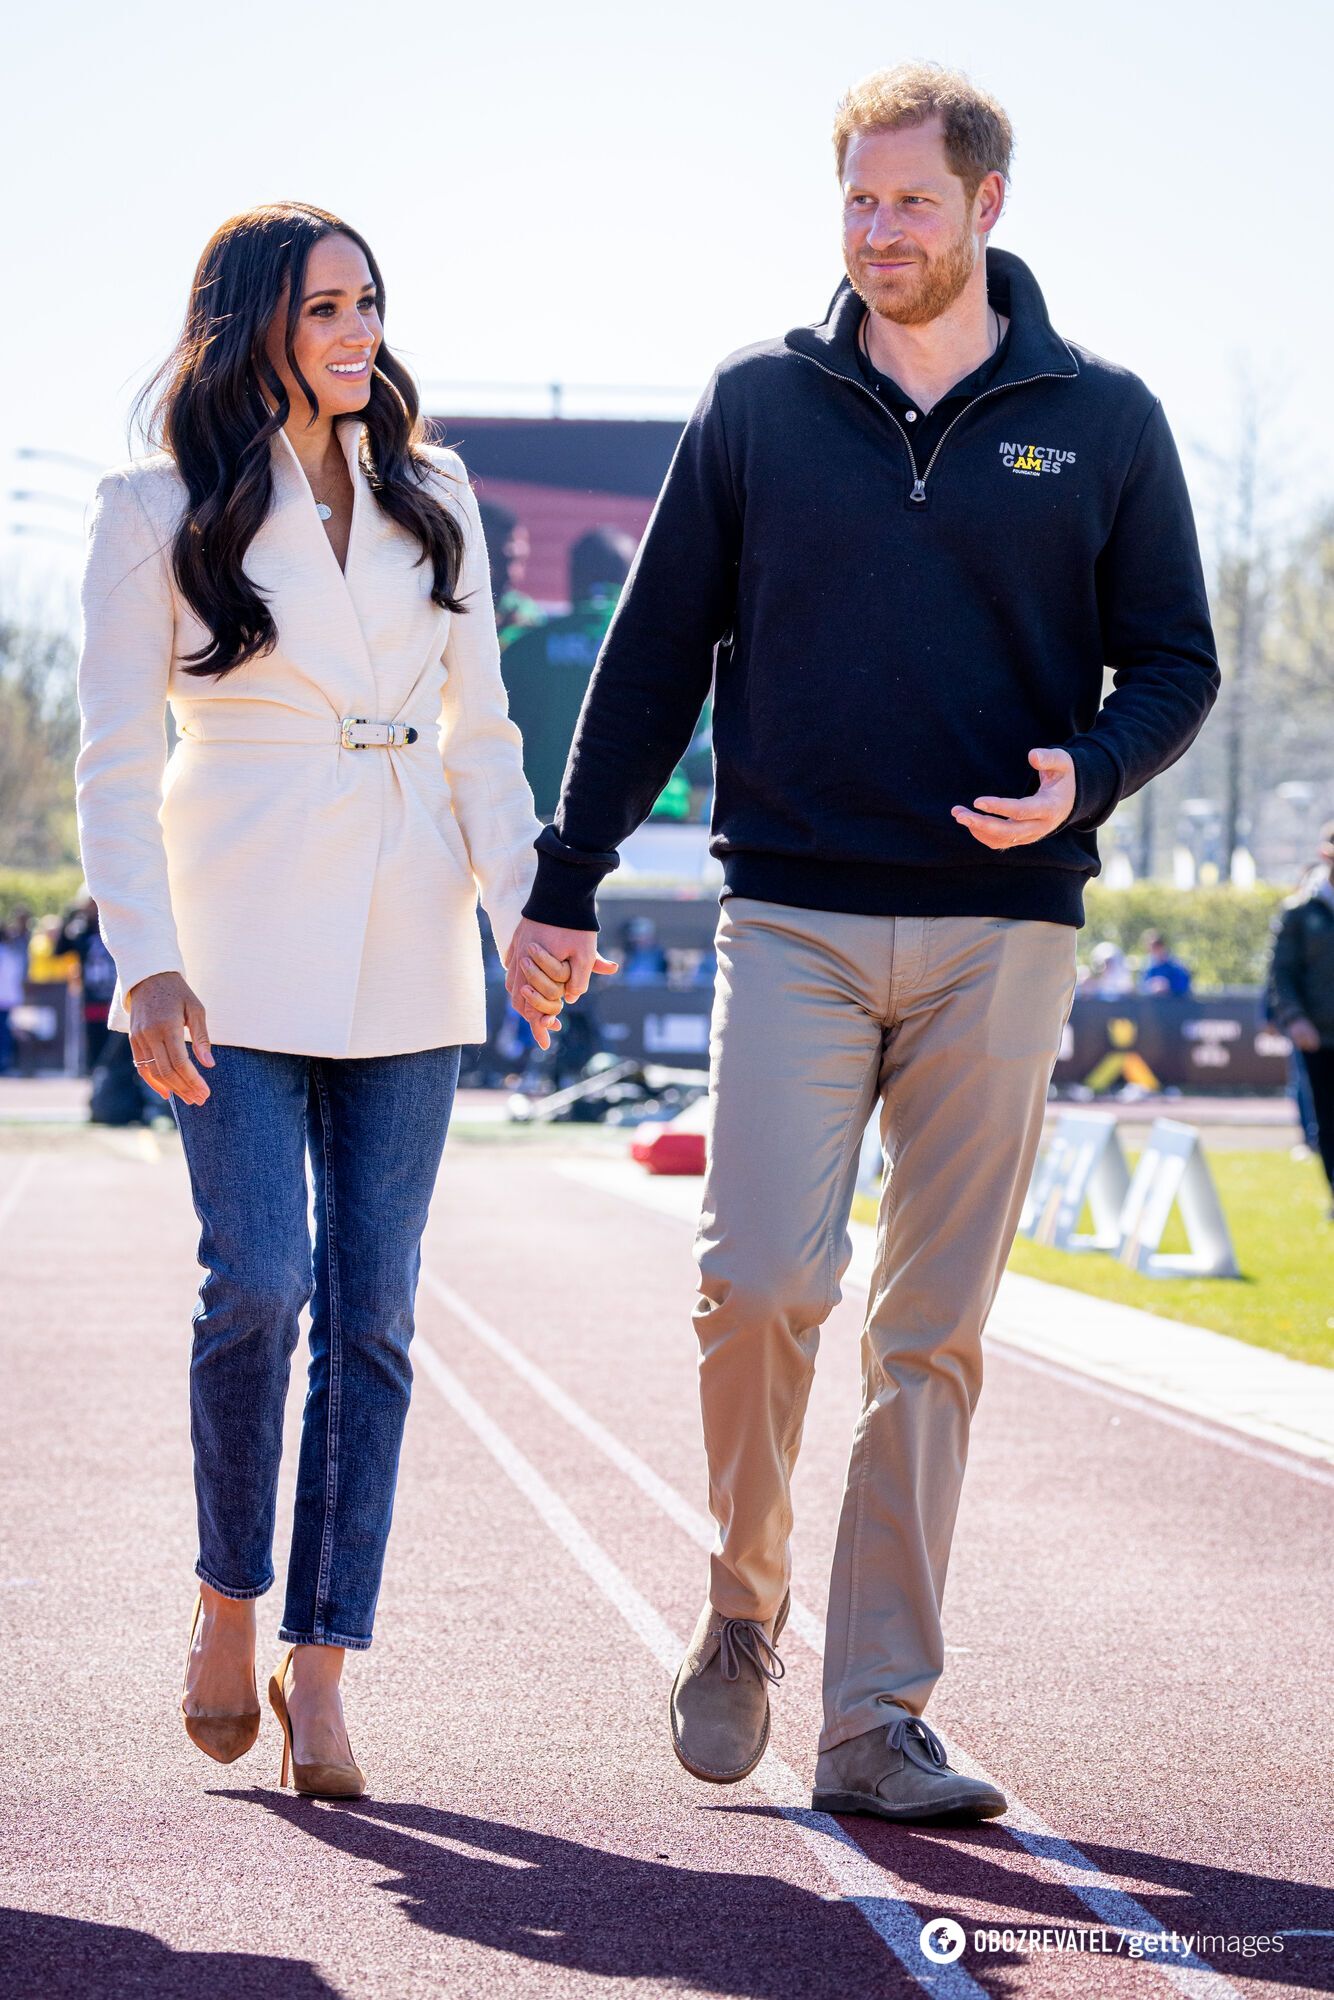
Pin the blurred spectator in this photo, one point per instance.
(13, 975)
(547, 668)
(508, 549)
(643, 960)
(48, 963)
(1161, 973)
(81, 933)
(1301, 989)
(1299, 1084)
(1109, 976)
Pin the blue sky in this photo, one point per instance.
(600, 194)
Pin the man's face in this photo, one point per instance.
(911, 238)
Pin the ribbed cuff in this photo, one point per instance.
(1097, 784)
(564, 892)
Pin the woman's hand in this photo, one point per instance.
(161, 1008)
(535, 981)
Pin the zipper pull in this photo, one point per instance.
(918, 490)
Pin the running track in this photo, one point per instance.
(1138, 1623)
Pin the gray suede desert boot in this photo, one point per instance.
(898, 1771)
(720, 1698)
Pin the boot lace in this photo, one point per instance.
(911, 1735)
(744, 1638)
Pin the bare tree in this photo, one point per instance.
(1246, 537)
(39, 734)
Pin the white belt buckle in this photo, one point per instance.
(358, 733)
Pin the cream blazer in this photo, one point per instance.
(319, 900)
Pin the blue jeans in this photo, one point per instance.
(375, 1130)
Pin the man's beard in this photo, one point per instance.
(927, 293)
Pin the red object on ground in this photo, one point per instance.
(663, 1149)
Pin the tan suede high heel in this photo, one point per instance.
(316, 1781)
(222, 1737)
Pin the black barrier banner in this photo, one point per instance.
(1216, 1042)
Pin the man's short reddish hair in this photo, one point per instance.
(978, 136)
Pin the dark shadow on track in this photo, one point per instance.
(557, 1902)
(984, 1864)
(46, 1957)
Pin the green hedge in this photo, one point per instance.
(44, 891)
(1221, 934)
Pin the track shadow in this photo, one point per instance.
(983, 1865)
(557, 1902)
(63, 1958)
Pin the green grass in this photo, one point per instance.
(1284, 1300)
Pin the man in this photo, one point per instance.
(508, 548)
(1301, 989)
(547, 668)
(914, 533)
(1161, 973)
(14, 935)
(81, 933)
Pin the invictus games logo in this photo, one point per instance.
(1035, 459)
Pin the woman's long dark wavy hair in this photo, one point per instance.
(217, 402)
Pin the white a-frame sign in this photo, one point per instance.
(1081, 1162)
(1171, 1168)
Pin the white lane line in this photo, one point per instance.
(1058, 1859)
(882, 1900)
(699, 1526)
(10, 1200)
(1200, 1427)
(1234, 1430)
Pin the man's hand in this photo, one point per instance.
(1304, 1035)
(545, 963)
(1019, 822)
(161, 1008)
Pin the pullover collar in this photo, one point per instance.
(1033, 346)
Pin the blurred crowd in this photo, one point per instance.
(547, 659)
(1110, 975)
(41, 961)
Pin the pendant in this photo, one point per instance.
(325, 513)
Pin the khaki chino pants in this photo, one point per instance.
(953, 1024)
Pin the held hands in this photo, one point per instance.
(546, 966)
(161, 1008)
(1019, 822)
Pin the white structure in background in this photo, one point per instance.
(1172, 1168)
(1081, 1162)
(1244, 871)
(1183, 867)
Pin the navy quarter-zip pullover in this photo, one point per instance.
(890, 644)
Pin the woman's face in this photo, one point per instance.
(338, 331)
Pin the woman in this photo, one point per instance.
(291, 905)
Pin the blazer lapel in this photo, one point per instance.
(294, 566)
(362, 635)
(390, 589)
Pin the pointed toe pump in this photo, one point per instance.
(316, 1781)
(222, 1737)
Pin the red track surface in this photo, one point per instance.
(1139, 1621)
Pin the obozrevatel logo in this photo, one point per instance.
(1035, 459)
(942, 1940)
